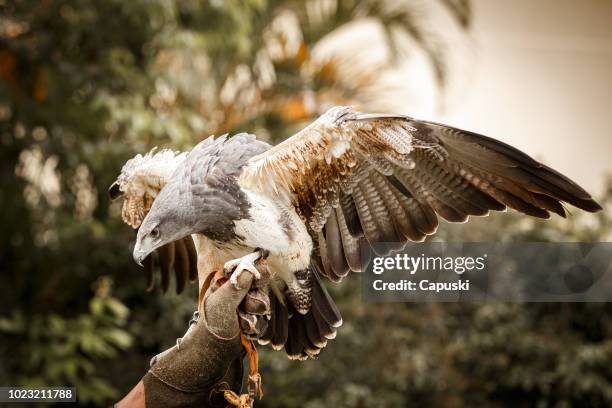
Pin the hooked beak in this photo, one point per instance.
(114, 191)
(140, 254)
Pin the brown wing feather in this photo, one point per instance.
(350, 244)
(181, 265)
(333, 239)
(192, 253)
(388, 178)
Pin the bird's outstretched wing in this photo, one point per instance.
(386, 178)
(141, 179)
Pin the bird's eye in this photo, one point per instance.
(154, 233)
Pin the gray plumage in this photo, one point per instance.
(203, 195)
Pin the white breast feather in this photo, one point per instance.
(264, 229)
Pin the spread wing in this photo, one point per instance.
(387, 178)
(141, 179)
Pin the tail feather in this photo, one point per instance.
(327, 331)
(281, 324)
(314, 334)
(303, 336)
(294, 346)
(299, 346)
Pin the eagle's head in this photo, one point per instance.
(166, 222)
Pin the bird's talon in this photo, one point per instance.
(234, 282)
(178, 343)
(235, 267)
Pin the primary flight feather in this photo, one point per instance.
(346, 180)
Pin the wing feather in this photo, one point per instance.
(333, 240)
(326, 268)
(350, 244)
(388, 177)
(181, 265)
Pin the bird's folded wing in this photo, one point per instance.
(386, 178)
(180, 256)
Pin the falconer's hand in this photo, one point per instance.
(206, 363)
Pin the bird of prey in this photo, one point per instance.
(305, 206)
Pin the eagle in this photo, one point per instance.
(307, 206)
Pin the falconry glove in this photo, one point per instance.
(209, 359)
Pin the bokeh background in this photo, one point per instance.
(85, 85)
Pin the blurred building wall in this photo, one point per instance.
(539, 76)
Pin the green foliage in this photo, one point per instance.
(54, 349)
